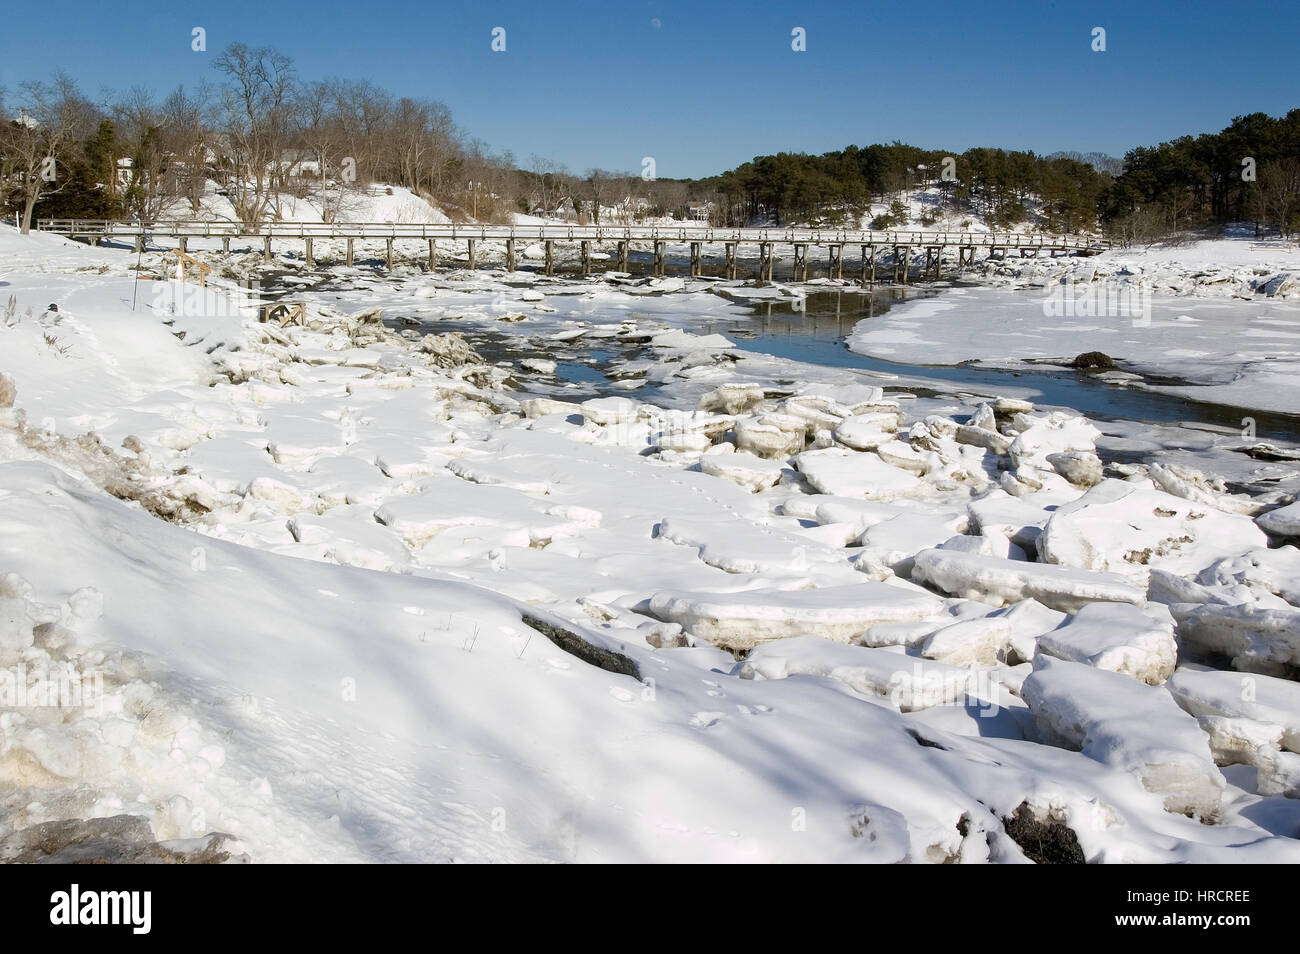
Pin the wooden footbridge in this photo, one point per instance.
(656, 238)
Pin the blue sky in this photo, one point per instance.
(704, 86)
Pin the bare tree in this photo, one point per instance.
(1276, 195)
(52, 119)
(362, 112)
(187, 139)
(325, 139)
(258, 120)
(601, 185)
(139, 123)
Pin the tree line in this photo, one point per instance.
(1248, 172)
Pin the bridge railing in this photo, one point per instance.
(571, 233)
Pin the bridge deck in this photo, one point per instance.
(570, 233)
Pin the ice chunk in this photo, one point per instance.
(1051, 434)
(752, 473)
(1284, 521)
(851, 474)
(908, 683)
(1273, 571)
(1119, 637)
(996, 581)
(1121, 722)
(611, 410)
(1236, 695)
(745, 619)
(731, 399)
(981, 641)
(1256, 639)
(774, 436)
(1123, 527)
(16, 622)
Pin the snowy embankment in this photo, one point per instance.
(350, 597)
(1219, 317)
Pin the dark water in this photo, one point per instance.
(816, 336)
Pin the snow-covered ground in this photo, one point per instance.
(1217, 316)
(344, 592)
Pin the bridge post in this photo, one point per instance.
(307, 252)
(731, 260)
(470, 243)
(510, 255)
(873, 263)
(139, 242)
(225, 245)
(696, 263)
(266, 248)
(585, 247)
(183, 242)
(835, 265)
(938, 262)
(765, 261)
(800, 262)
(388, 242)
(622, 256)
(347, 255)
(902, 262)
(550, 257)
(659, 258)
(433, 255)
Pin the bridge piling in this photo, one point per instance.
(470, 243)
(389, 252)
(731, 260)
(622, 256)
(307, 253)
(510, 255)
(659, 258)
(433, 255)
(347, 255)
(835, 265)
(800, 262)
(696, 259)
(550, 257)
(266, 248)
(584, 253)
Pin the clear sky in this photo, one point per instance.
(702, 86)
